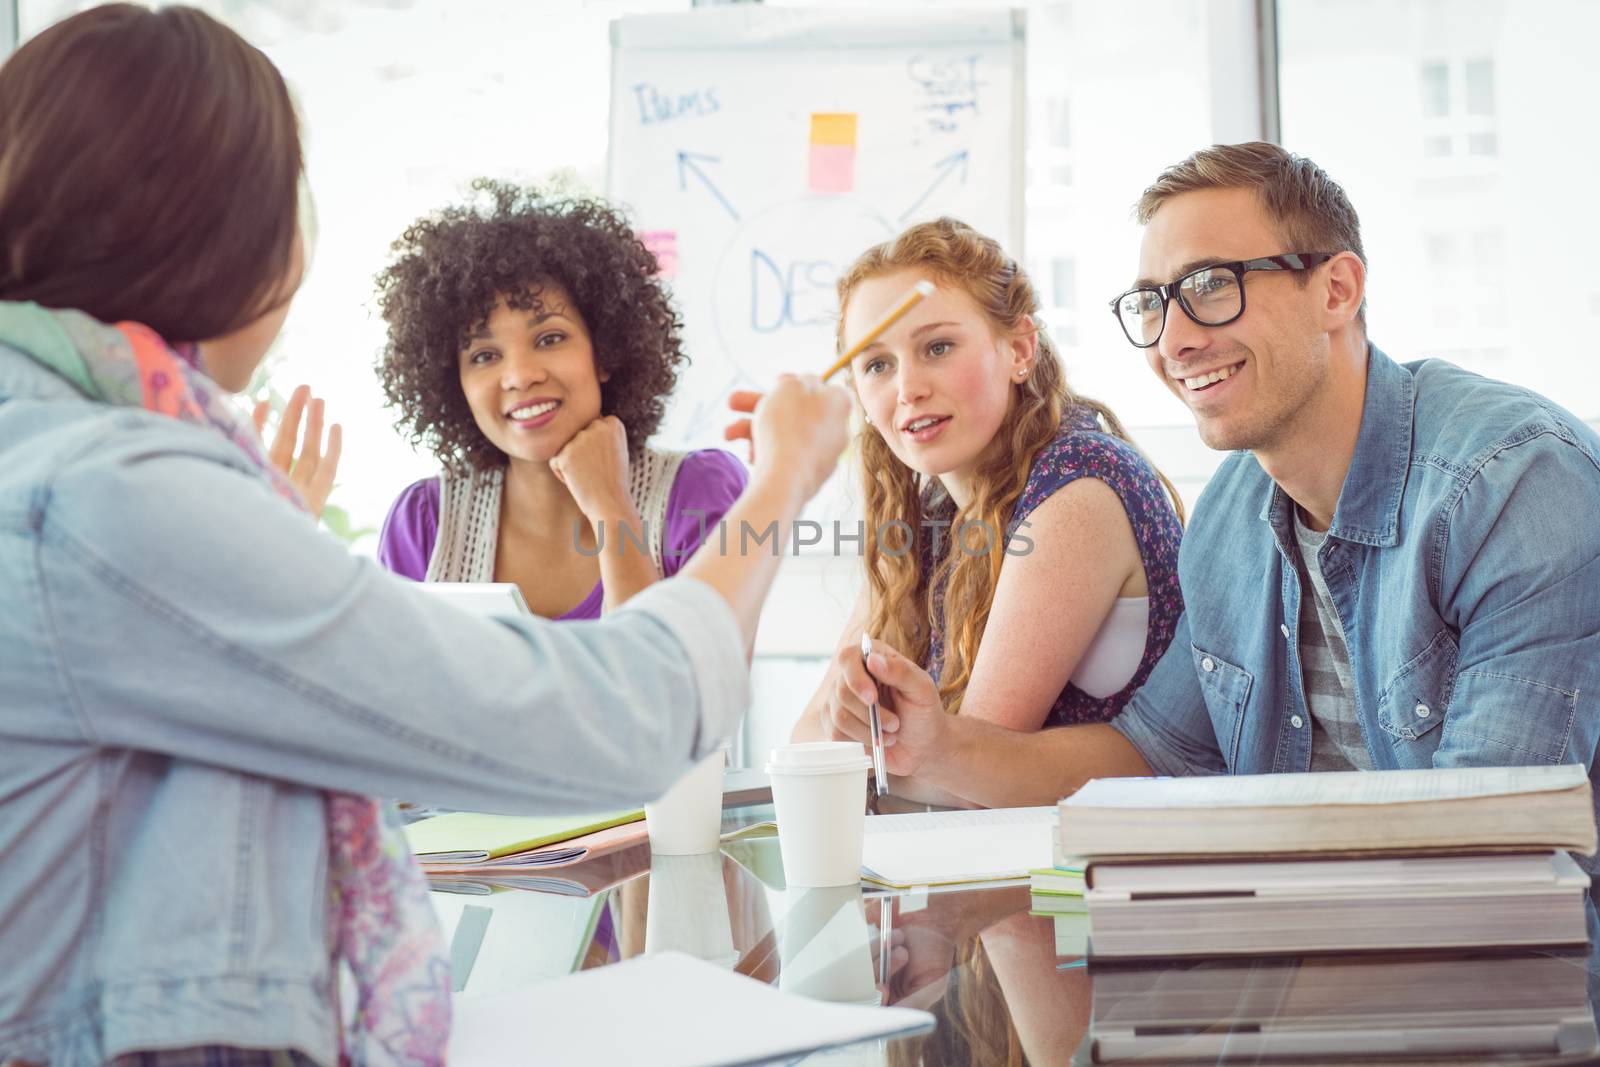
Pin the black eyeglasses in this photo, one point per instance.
(1211, 296)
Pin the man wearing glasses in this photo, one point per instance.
(1397, 567)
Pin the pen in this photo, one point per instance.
(885, 929)
(879, 775)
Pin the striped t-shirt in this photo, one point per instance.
(1336, 743)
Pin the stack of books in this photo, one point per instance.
(1293, 863)
(1443, 882)
(1249, 1010)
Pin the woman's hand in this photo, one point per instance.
(594, 468)
(910, 710)
(796, 431)
(312, 471)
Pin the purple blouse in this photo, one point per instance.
(707, 484)
(1083, 450)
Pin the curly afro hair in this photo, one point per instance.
(451, 267)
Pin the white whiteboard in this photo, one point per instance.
(714, 146)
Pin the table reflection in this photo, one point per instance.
(1007, 987)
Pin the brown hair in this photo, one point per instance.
(901, 596)
(149, 170)
(1310, 209)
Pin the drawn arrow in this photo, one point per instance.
(687, 162)
(945, 167)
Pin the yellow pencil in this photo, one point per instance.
(907, 302)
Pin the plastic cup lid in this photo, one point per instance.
(818, 757)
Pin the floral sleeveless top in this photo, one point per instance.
(1083, 450)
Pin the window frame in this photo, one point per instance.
(10, 27)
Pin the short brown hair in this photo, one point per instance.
(149, 170)
(1310, 209)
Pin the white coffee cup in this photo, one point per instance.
(687, 908)
(819, 789)
(687, 819)
(824, 947)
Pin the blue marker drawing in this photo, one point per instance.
(688, 161)
(656, 106)
(945, 167)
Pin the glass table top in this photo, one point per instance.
(1007, 985)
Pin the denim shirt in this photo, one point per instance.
(187, 664)
(1464, 563)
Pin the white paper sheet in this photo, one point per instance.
(667, 1010)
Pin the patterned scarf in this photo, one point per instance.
(384, 928)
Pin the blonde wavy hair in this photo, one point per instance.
(953, 254)
(974, 1021)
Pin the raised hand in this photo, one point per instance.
(312, 470)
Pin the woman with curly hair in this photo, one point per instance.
(531, 349)
(1019, 547)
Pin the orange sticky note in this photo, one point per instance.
(833, 128)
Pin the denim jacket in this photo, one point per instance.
(186, 664)
(1463, 560)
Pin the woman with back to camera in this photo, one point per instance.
(202, 693)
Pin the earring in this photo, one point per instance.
(1022, 373)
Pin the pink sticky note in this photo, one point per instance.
(832, 169)
(663, 244)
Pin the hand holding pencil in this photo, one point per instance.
(797, 431)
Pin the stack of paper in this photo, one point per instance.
(1057, 890)
(674, 1011)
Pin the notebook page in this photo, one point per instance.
(945, 847)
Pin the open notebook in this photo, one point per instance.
(956, 847)
(466, 839)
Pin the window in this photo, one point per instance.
(1060, 127)
(1458, 108)
(1480, 87)
(1063, 284)
(1466, 226)
(1435, 90)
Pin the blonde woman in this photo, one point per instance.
(1019, 547)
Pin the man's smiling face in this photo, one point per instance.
(1246, 382)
